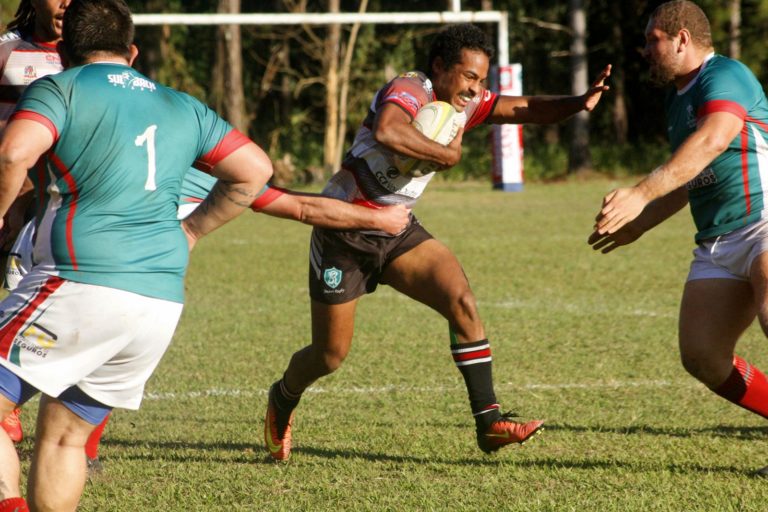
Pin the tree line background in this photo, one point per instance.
(302, 91)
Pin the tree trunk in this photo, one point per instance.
(734, 30)
(344, 92)
(155, 45)
(228, 70)
(331, 65)
(579, 158)
(618, 87)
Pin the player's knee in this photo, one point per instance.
(332, 359)
(464, 305)
(691, 364)
(706, 369)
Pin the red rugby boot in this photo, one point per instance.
(277, 429)
(504, 431)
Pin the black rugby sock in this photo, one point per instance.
(474, 362)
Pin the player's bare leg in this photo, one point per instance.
(10, 470)
(332, 330)
(431, 274)
(59, 446)
(713, 314)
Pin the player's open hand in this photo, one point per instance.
(606, 243)
(620, 207)
(593, 95)
(393, 219)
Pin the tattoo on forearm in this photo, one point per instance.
(232, 193)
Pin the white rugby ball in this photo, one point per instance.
(438, 121)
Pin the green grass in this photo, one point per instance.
(586, 341)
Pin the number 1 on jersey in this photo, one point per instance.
(149, 137)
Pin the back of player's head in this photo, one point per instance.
(452, 40)
(671, 17)
(97, 27)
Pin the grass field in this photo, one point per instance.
(585, 341)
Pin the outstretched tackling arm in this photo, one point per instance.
(326, 212)
(711, 138)
(548, 109)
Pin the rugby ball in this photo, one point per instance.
(438, 121)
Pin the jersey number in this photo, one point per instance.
(149, 137)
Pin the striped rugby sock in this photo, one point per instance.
(747, 387)
(474, 362)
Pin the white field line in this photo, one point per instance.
(555, 306)
(381, 390)
(577, 309)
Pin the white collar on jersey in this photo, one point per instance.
(695, 79)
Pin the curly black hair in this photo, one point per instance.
(449, 43)
(24, 21)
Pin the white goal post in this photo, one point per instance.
(395, 18)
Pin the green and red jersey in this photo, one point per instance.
(111, 182)
(730, 192)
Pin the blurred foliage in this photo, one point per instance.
(286, 95)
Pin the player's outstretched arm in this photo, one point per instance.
(548, 109)
(326, 212)
(392, 128)
(654, 214)
(241, 177)
(713, 135)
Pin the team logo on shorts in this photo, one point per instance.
(332, 277)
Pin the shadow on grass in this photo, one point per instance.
(734, 432)
(228, 453)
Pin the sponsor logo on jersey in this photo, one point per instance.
(405, 99)
(10, 36)
(332, 277)
(705, 178)
(29, 73)
(690, 118)
(127, 79)
(428, 86)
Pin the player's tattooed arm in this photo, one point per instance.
(224, 190)
(242, 175)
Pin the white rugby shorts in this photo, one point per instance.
(19, 261)
(56, 333)
(730, 256)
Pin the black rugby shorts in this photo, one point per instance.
(344, 265)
